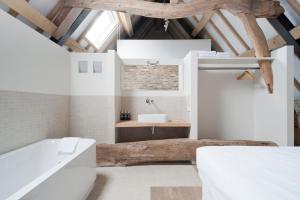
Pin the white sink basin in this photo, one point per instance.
(153, 118)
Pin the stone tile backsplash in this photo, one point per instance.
(93, 117)
(144, 77)
(29, 117)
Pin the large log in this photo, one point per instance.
(132, 153)
(259, 8)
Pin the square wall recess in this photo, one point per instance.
(97, 67)
(83, 67)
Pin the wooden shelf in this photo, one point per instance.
(135, 124)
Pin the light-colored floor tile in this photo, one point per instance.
(134, 183)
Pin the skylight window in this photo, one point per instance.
(102, 28)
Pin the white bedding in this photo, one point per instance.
(249, 173)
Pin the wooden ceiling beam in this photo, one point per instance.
(74, 46)
(233, 30)
(52, 14)
(34, 16)
(275, 42)
(295, 5)
(72, 28)
(223, 37)
(37, 19)
(144, 28)
(297, 84)
(259, 8)
(61, 15)
(14, 13)
(175, 34)
(180, 29)
(55, 11)
(67, 23)
(283, 29)
(213, 40)
(126, 22)
(202, 23)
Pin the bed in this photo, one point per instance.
(249, 173)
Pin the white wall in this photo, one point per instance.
(191, 90)
(231, 109)
(274, 113)
(225, 106)
(34, 86)
(95, 101)
(29, 62)
(153, 49)
(93, 84)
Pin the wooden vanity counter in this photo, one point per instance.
(136, 124)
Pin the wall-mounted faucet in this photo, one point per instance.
(149, 101)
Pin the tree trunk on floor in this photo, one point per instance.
(132, 153)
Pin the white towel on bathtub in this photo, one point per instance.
(68, 145)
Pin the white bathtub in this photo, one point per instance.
(38, 172)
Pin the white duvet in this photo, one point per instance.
(249, 173)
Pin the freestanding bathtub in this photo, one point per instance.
(39, 172)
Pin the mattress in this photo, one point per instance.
(249, 173)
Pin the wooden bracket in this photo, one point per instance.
(246, 75)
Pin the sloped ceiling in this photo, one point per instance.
(148, 28)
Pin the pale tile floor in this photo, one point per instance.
(134, 183)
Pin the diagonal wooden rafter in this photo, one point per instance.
(61, 15)
(36, 18)
(31, 14)
(295, 5)
(213, 40)
(14, 13)
(73, 44)
(52, 15)
(67, 22)
(205, 34)
(228, 43)
(173, 30)
(259, 8)
(145, 27)
(179, 28)
(55, 11)
(74, 25)
(275, 42)
(126, 22)
(202, 23)
(232, 29)
(297, 84)
(282, 25)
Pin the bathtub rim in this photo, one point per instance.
(43, 177)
